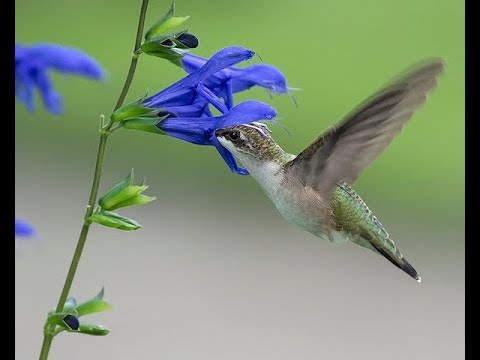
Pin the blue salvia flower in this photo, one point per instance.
(232, 80)
(183, 106)
(190, 96)
(23, 229)
(32, 64)
(201, 131)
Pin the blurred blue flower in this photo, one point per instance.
(32, 64)
(23, 229)
(232, 80)
(185, 112)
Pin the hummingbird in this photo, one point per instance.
(313, 189)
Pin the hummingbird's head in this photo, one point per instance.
(249, 142)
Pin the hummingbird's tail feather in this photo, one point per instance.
(398, 261)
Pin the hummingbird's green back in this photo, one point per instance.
(353, 217)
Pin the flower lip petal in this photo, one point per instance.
(266, 76)
(228, 157)
(247, 112)
(224, 58)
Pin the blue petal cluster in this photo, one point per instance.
(184, 106)
(232, 80)
(32, 64)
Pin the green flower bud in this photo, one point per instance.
(108, 197)
(186, 41)
(131, 110)
(161, 42)
(71, 322)
(124, 194)
(174, 55)
(114, 220)
(144, 123)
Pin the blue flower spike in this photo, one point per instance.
(32, 66)
(182, 110)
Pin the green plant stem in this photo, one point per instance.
(49, 330)
(133, 62)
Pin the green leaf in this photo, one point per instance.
(92, 329)
(114, 220)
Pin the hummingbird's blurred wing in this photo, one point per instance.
(343, 151)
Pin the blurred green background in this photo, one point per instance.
(216, 273)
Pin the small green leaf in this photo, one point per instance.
(114, 220)
(92, 329)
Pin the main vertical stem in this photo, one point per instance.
(49, 330)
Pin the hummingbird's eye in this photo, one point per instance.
(234, 135)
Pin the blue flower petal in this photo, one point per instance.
(199, 108)
(228, 157)
(245, 113)
(24, 87)
(263, 75)
(184, 90)
(51, 99)
(23, 229)
(266, 76)
(196, 131)
(211, 98)
(192, 63)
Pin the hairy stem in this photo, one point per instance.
(49, 330)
